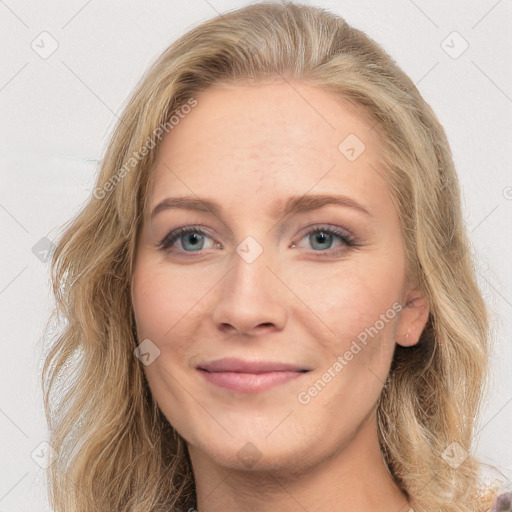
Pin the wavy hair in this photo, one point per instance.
(117, 451)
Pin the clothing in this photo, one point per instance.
(501, 503)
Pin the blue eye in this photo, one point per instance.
(190, 237)
(321, 239)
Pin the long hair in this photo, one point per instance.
(116, 450)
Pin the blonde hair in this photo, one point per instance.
(117, 451)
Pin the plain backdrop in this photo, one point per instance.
(68, 68)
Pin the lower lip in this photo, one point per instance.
(250, 382)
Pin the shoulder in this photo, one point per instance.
(495, 497)
(502, 502)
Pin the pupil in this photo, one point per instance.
(192, 241)
(193, 238)
(322, 238)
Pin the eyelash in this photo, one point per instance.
(348, 240)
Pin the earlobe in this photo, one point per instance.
(413, 318)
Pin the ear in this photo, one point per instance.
(413, 318)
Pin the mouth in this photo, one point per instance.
(249, 376)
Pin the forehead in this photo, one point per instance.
(269, 140)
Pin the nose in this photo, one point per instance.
(250, 299)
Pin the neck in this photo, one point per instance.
(354, 477)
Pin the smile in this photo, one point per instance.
(250, 382)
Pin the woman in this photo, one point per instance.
(269, 300)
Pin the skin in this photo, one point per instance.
(249, 147)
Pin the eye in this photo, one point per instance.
(191, 239)
(322, 239)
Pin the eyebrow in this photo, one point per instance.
(294, 204)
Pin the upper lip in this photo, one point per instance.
(242, 366)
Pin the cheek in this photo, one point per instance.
(161, 303)
(363, 312)
(162, 299)
(166, 304)
(151, 300)
(359, 303)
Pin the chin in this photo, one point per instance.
(242, 453)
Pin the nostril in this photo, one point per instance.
(225, 327)
(264, 326)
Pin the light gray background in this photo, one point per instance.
(56, 114)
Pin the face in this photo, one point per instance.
(276, 312)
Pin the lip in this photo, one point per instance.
(231, 364)
(249, 376)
